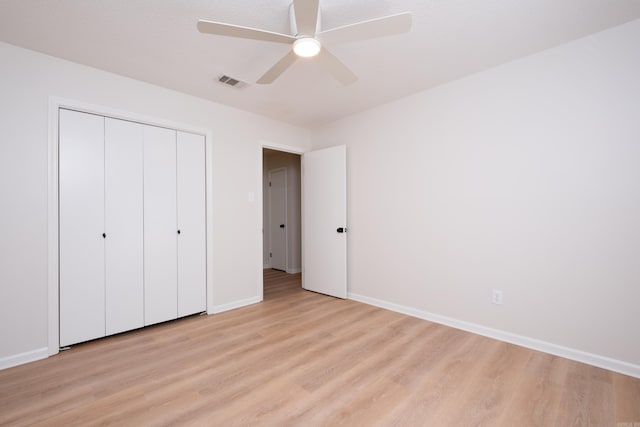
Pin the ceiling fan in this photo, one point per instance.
(307, 40)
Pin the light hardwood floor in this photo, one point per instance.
(304, 359)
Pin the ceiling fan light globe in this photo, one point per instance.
(306, 47)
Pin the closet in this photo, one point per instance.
(131, 225)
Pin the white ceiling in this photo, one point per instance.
(156, 41)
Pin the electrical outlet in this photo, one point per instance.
(496, 296)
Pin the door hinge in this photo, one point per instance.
(270, 255)
(269, 183)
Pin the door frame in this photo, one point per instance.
(286, 206)
(55, 104)
(260, 200)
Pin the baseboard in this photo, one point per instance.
(266, 266)
(233, 305)
(22, 358)
(523, 341)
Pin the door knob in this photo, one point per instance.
(281, 225)
(341, 230)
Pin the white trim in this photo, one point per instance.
(22, 358)
(208, 153)
(523, 341)
(260, 211)
(233, 305)
(55, 103)
(52, 230)
(294, 270)
(280, 147)
(302, 223)
(115, 113)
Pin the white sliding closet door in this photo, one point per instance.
(82, 245)
(124, 225)
(191, 224)
(160, 226)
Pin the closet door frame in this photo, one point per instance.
(55, 104)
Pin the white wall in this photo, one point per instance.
(525, 178)
(291, 162)
(27, 80)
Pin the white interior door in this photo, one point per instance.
(192, 270)
(278, 219)
(124, 291)
(81, 204)
(160, 226)
(325, 221)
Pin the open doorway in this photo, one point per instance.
(281, 211)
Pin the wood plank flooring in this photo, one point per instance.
(304, 359)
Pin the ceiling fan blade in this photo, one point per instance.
(306, 12)
(221, 29)
(336, 68)
(379, 27)
(279, 68)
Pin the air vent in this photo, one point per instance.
(230, 81)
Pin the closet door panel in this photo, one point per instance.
(191, 223)
(124, 225)
(81, 222)
(160, 225)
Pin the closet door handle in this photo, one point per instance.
(104, 235)
(178, 231)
